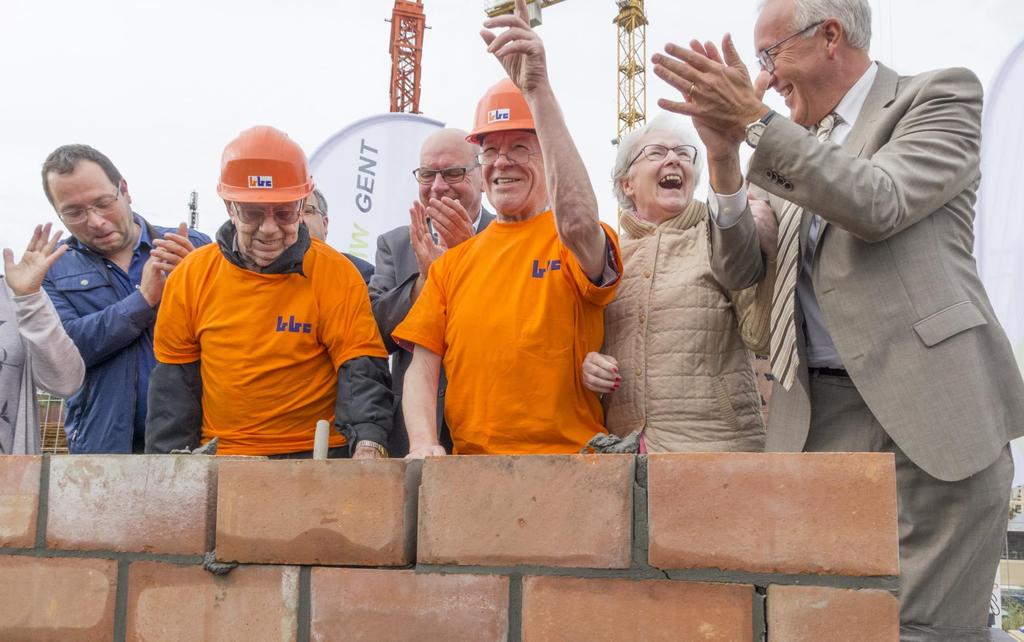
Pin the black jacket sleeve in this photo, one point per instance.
(365, 406)
(174, 415)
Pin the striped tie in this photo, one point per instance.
(784, 359)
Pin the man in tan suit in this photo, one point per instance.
(883, 338)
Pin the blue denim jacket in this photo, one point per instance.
(109, 331)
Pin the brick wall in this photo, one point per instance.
(703, 546)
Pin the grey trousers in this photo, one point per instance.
(951, 533)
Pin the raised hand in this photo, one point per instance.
(26, 276)
(716, 91)
(424, 247)
(519, 49)
(451, 220)
(601, 373)
(170, 250)
(153, 277)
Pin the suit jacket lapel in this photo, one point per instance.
(485, 220)
(880, 96)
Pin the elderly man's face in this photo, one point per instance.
(315, 219)
(515, 186)
(450, 151)
(94, 210)
(265, 230)
(801, 66)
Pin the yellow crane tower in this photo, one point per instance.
(632, 65)
(631, 61)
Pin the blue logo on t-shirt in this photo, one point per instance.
(291, 325)
(550, 266)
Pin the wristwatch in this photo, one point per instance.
(756, 129)
(375, 446)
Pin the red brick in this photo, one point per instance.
(132, 503)
(555, 510)
(569, 608)
(334, 512)
(393, 605)
(814, 613)
(251, 603)
(48, 598)
(775, 513)
(19, 500)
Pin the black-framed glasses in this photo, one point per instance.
(451, 175)
(518, 155)
(253, 214)
(102, 205)
(764, 57)
(655, 152)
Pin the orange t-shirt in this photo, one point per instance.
(513, 315)
(269, 345)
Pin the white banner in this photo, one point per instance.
(999, 227)
(365, 173)
(999, 243)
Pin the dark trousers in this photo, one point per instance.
(951, 533)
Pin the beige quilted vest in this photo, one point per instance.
(682, 341)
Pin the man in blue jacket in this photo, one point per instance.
(106, 289)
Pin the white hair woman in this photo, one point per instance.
(676, 358)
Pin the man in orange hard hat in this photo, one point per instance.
(268, 331)
(450, 194)
(512, 311)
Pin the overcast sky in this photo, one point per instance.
(161, 87)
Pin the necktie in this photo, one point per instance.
(784, 359)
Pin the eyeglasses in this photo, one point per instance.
(764, 57)
(252, 214)
(657, 152)
(518, 155)
(103, 205)
(451, 175)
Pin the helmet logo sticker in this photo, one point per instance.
(261, 182)
(496, 115)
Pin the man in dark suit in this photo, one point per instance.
(883, 338)
(451, 188)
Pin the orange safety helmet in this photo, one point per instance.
(263, 165)
(502, 108)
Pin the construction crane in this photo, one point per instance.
(193, 209)
(631, 62)
(632, 59)
(407, 24)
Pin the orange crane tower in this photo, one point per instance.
(407, 25)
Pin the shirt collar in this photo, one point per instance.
(144, 237)
(849, 107)
(476, 223)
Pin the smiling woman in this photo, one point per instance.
(676, 357)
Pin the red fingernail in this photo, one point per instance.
(615, 369)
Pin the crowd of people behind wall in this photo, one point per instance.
(843, 253)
